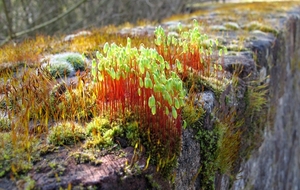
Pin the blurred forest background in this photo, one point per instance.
(24, 18)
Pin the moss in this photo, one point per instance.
(18, 154)
(64, 64)
(192, 114)
(259, 26)
(208, 147)
(236, 48)
(215, 84)
(162, 155)
(101, 133)
(85, 157)
(232, 25)
(76, 60)
(59, 69)
(255, 114)
(218, 146)
(228, 145)
(98, 125)
(29, 182)
(66, 133)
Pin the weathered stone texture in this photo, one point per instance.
(276, 165)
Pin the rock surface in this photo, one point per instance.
(276, 165)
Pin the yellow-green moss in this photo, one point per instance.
(85, 157)
(66, 133)
(17, 153)
(259, 26)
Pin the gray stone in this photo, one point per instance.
(275, 165)
(72, 36)
(218, 28)
(188, 162)
(240, 64)
(206, 100)
(232, 25)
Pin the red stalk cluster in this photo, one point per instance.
(116, 96)
(192, 59)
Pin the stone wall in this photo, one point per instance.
(274, 52)
(276, 164)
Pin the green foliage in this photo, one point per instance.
(153, 92)
(66, 133)
(102, 133)
(5, 156)
(256, 97)
(75, 59)
(152, 182)
(255, 114)
(29, 183)
(208, 140)
(259, 26)
(228, 145)
(216, 85)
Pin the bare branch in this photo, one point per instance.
(50, 21)
(41, 25)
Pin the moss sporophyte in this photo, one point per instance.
(137, 80)
(149, 83)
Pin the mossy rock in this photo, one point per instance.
(58, 69)
(65, 64)
(75, 59)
